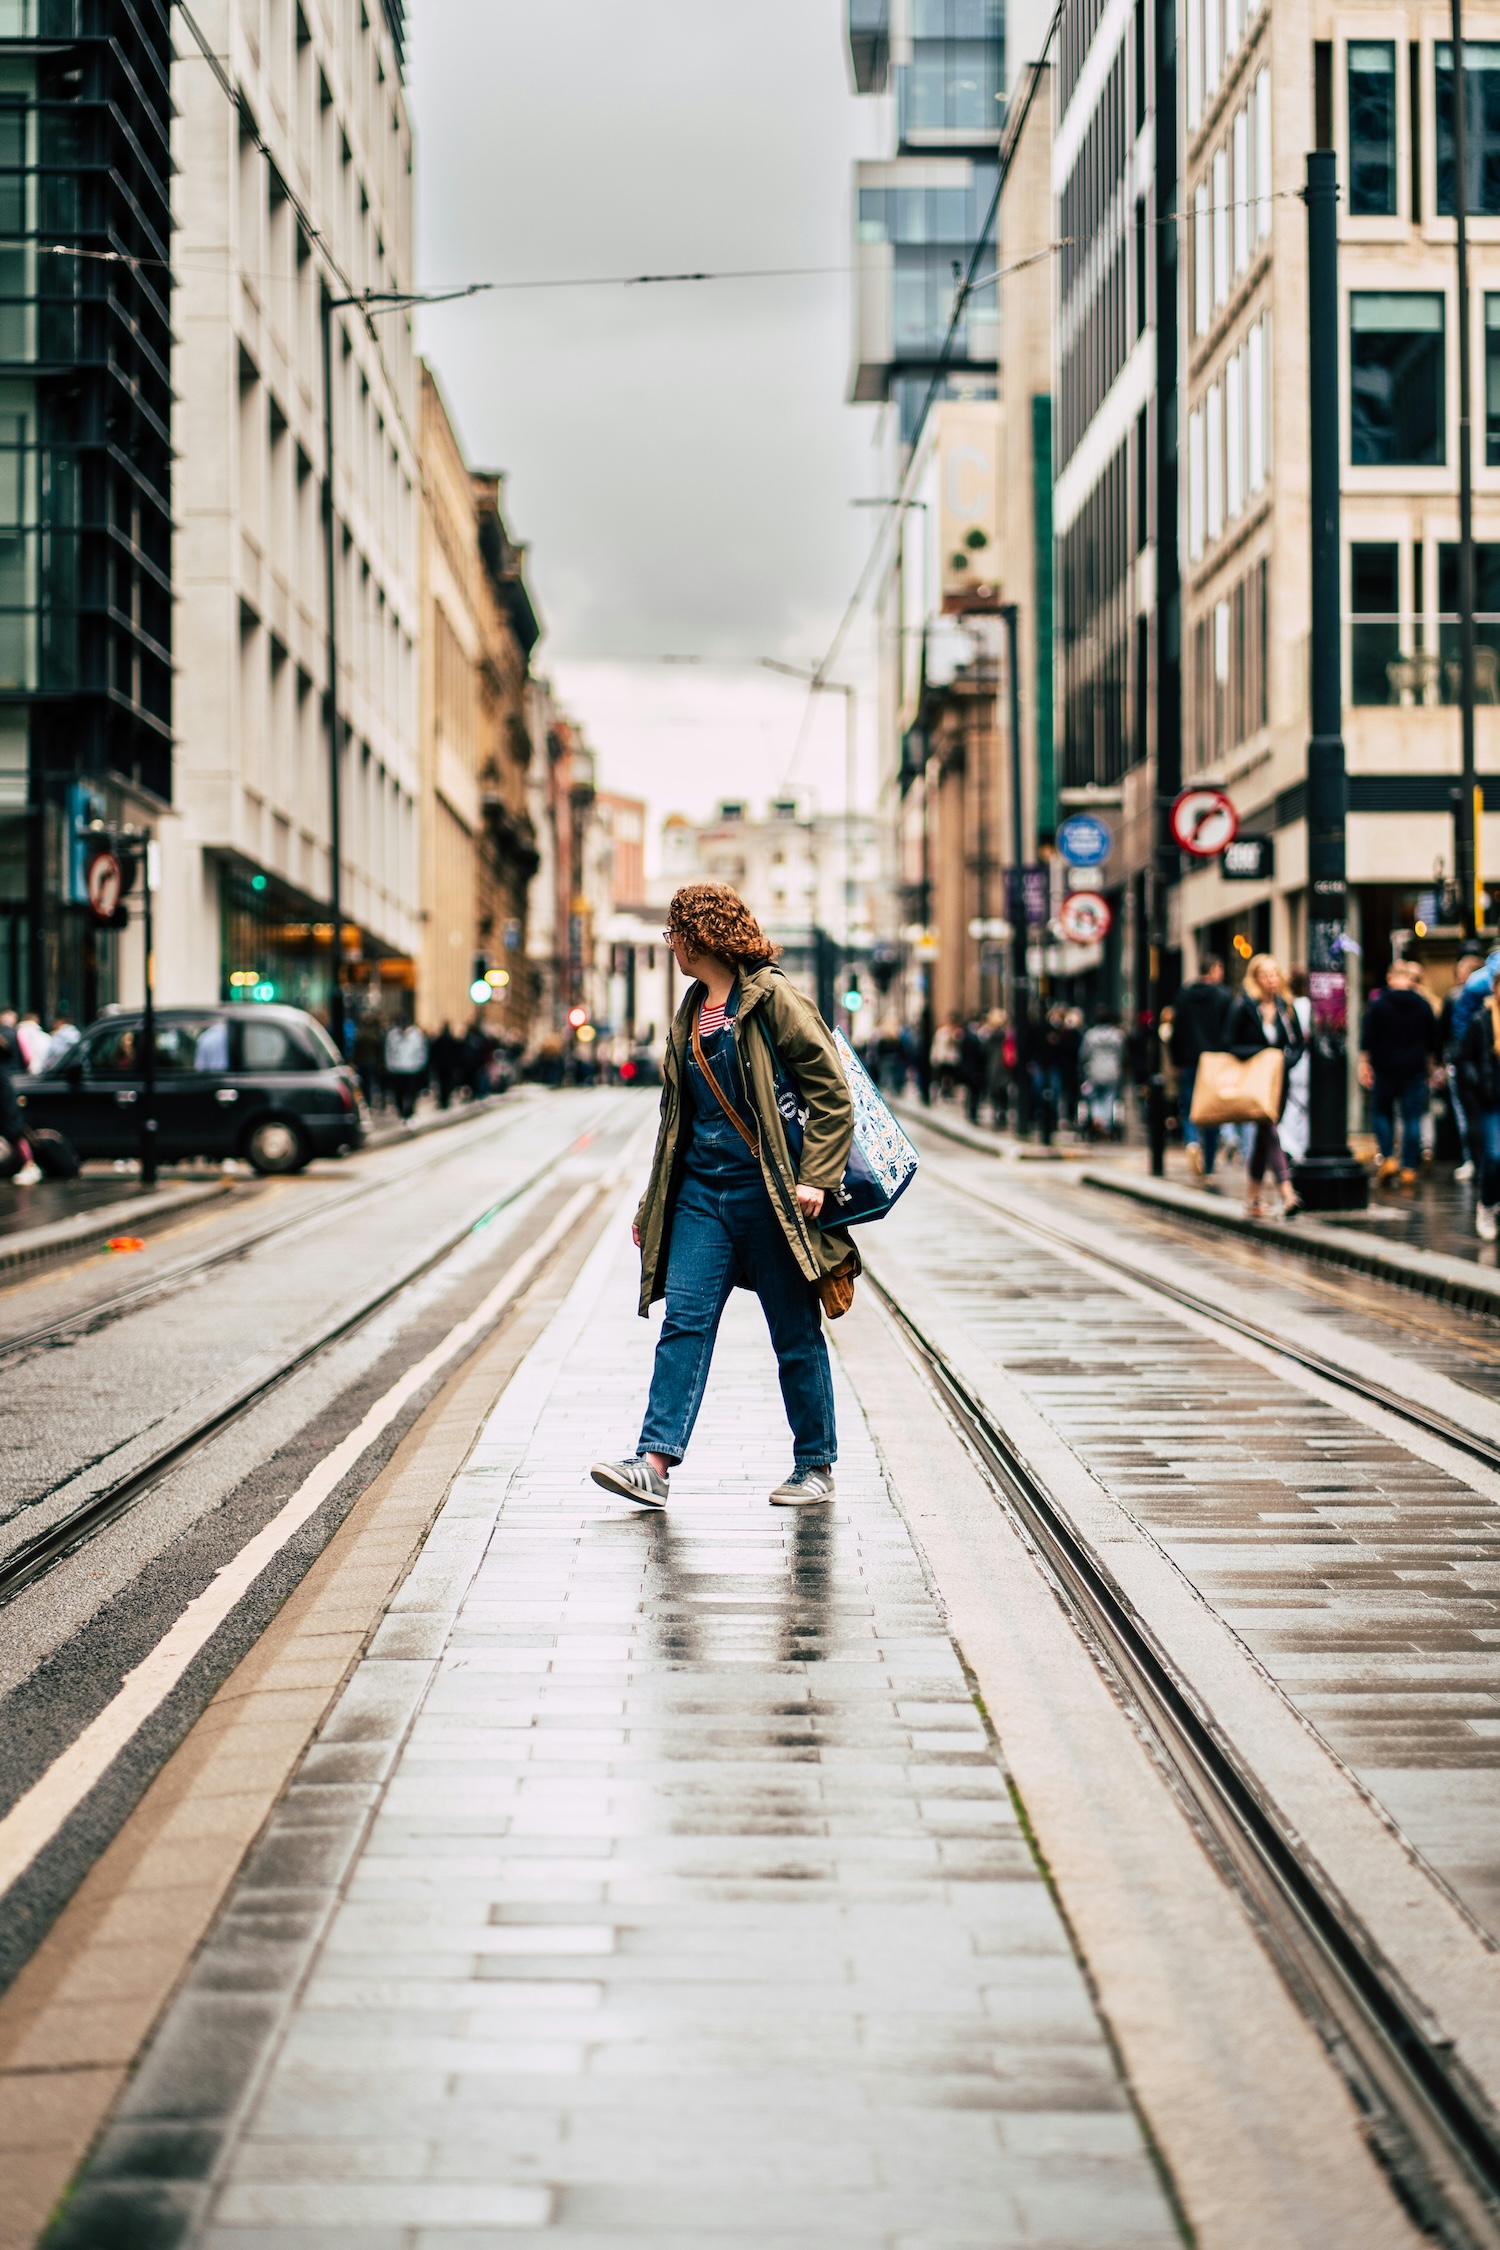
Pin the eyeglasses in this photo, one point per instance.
(668, 938)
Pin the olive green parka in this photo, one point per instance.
(770, 1007)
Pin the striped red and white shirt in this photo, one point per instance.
(710, 1019)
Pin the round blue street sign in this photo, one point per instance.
(1084, 841)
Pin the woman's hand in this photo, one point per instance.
(811, 1200)
(635, 1234)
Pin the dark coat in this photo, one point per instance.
(1400, 1034)
(1247, 1033)
(1478, 1063)
(1200, 1015)
(804, 1047)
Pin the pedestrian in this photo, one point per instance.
(1479, 1088)
(369, 1057)
(1469, 1150)
(971, 1068)
(1262, 1016)
(30, 1039)
(999, 1054)
(1295, 1130)
(65, 1035)
(946, 1043)
(1398, 1047)
(1200, 1019)
(406, 1066)
(20, 1166)
(725, 1207)
(1101, 1062)
(447, 1059)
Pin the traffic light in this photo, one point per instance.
(479, 984)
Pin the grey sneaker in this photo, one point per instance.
(804, 1488)
(633, 1477)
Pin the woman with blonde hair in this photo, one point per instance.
(750, 1068)
(1263, 1016)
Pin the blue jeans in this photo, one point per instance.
(724, 1231)
(1487, 1123)
(1386, 1100)
(1205, 1137)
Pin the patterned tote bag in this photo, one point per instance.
(882, 1163)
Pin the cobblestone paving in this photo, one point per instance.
(692, 1906)
(1366, 1580)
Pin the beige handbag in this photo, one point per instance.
(1227, 1091)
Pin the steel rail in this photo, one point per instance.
(30, 1559)
(74, 1326)
(1427, 2121)
(1426, 1418)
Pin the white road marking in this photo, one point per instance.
(35, 1819)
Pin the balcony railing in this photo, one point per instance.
(1406, 661)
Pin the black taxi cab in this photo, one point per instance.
(256, 1081)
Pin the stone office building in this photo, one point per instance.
(1377, 87)
(292, 196)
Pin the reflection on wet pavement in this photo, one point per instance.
(692, 1903)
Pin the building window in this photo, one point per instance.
(1255, 405)
(1203, 251)
(1481, 126)
(1375, 622)
(1486, 621)
(1372, 128)
(1195, 486)
(1396, 380)
(1221, 226)
(1241, 190)
(1492, 381)
(1234, 436)
(1262, 155)
(1215, 405)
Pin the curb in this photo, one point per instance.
(101, 1222)
(1433, 1272)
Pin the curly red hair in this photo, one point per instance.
(713, 918)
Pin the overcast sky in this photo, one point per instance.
(679, 458)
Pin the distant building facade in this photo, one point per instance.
(87, 641)
(268, 245)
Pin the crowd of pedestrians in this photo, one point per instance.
(398, 1062)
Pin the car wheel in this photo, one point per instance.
(276, 1144)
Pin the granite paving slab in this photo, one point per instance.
(655, 1881)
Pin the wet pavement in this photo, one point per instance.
(1363, 1576)
(656, 1880)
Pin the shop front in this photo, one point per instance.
(277, 944)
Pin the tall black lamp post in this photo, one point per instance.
(1468, 804)
(1328, 1178)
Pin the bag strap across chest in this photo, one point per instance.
(751, 1140)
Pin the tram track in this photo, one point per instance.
(1442, 1426)
(1430, 2125)
(73, 1327)
(32, 1558)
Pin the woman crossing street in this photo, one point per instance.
(750, 1068)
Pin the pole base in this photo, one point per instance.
(1332, 1183)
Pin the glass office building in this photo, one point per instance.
(85, 451)
(920, 213)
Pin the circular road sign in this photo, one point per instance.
(1204, 821)
(1084, 917)
(1084, 841)
(105, 882)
